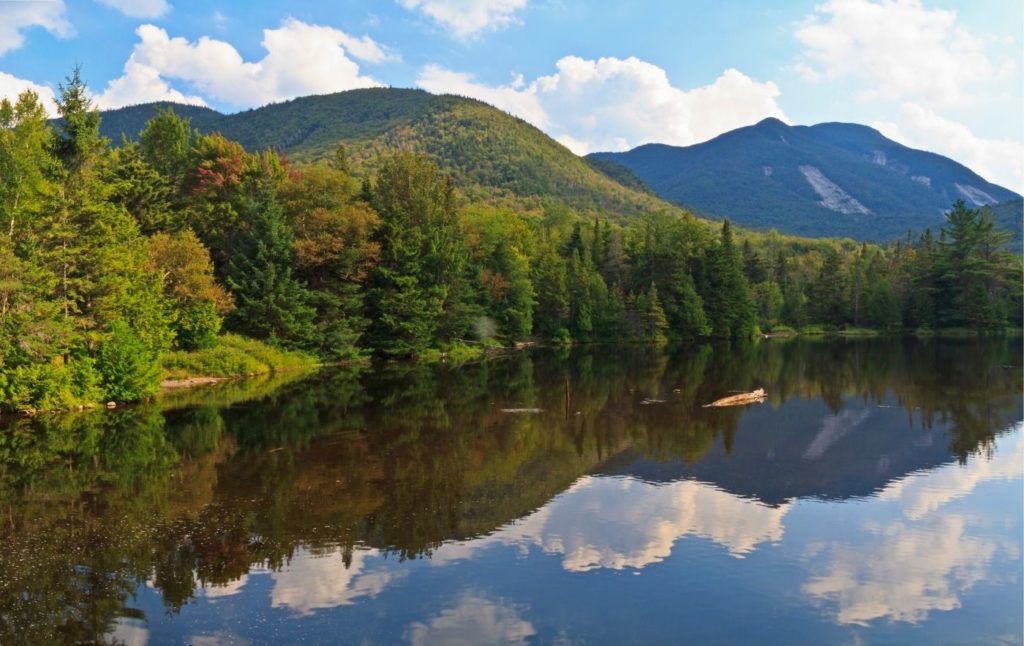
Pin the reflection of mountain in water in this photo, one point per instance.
(802, 449)
(405, 460)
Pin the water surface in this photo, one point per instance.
(875, 497)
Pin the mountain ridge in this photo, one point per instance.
(487, 151)
(830, 179)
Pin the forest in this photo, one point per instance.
(185, 254)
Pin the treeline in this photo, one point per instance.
(114, 257)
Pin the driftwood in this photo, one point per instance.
(754, 397)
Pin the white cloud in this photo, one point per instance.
(467, 18)
(898, 48)
(614, 104)
(997, 160)
(15, 17)
(12, 86)
(301, 59)
(141, 84)
(522, 103)
(139, 8)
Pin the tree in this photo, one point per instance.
(651, 320)
(196, 303)
(727, 297)
(142, 190)
(419, 288)
(500, 244)
(551, 281)
(334, 253)
(164, 143)
(973, 269)
(271, 304)
(130, 369)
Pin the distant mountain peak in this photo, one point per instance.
(771, 122)
(830, 179)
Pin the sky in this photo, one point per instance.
(942, 75)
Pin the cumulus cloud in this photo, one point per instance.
(139, 8)
(16, 17)
(997, 160)
(615, 104)
(141, 84)
(898, 48)
(301, 59)
(12, 86)
(468, 18)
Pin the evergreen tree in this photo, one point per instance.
(270, 303)
(729, 305)
(652, 320)
(973, 269)
(419, 288)
(164, 143)
(551, 281)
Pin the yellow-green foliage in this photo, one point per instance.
(456, 353)
(233, 356)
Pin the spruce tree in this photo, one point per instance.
(270, 303)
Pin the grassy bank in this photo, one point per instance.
(233, 356)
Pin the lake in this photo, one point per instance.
(548, 496)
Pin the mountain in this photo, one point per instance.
(488, 152)
(831, 179)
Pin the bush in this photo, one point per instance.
(50, 386)
(129, 369)
(197, 326)
(233, 356)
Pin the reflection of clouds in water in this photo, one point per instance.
(920, 494)
(906, 569)
(474, 620)
(621, 523)
(218, 639)
(903, 572)
(311, 582)
(130, 632)
(231, 588)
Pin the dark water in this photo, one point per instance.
(875, 498)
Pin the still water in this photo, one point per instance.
(875, 497)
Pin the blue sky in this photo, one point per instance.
(941, 75)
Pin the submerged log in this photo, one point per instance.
(753, 397)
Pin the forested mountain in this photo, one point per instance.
(487, 152)
(831, 179)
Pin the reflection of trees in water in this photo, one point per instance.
(402, 458)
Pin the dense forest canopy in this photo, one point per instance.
(112, 259)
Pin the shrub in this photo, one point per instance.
(130, 370)
(233, 356)
(197, 326)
